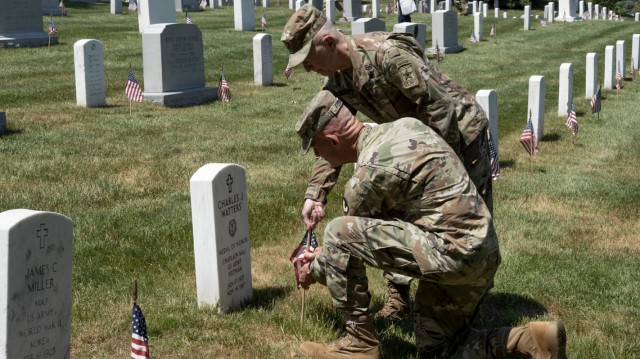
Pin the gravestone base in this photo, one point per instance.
(27, 39)
(183, 98)
(447, 50)
(568, 19)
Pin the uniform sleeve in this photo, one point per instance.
(323, 178)
(422, 84)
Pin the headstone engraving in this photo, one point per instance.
(21, 24)
(89, 69)
(445, 32)
(35, 288)
(243, 15)
(565, 90)
(591, 75)
(262, 60)
(536, 104)
(155, 12)
(365, 24)
(173, 63)
(221, 235)
(609, 67)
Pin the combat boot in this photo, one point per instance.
(359, 342)
(396, 307)
(539, 340)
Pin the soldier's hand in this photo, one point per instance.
(312, 213)
(305, 279)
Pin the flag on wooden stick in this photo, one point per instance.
(139, 338)
(224, 92)
(52, 27)
(596, 101)
(132, 89)
(528, 138)
(572, 120)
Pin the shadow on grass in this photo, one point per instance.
(265, 298)
(506, 310)
(551, 137)
(10, 132)
(506, 164)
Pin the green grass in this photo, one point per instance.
(567, 220)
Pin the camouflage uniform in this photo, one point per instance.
(410, 208)
(389, 80)
(462, 6)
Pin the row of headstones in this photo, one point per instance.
(614, 63)
(36, 262)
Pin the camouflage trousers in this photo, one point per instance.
(477, 162)
(449, 290)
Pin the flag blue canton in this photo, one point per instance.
(139, 338)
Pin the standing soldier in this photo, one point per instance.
(385, 76)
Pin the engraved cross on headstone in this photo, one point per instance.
(42, 236)
(229, 181)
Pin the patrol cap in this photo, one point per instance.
(297, 34)
(323, 107)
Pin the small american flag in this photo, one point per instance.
(263, 20)
(187, 19)
(288, 72)
(493, 30)
(370, 13)
(596, 102)
(387, 9)
(61, 6)
(618, 79)
(132, 5)
(493, 152)
(297, 257)
(203, 4)
(425, 7)
(224, 93)
(132, 89)
(52, 27)
(139, 338)
(439, 55)
(572, 120)
(543, 23)
(585, 15)
(528, 139)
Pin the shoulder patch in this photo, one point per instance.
(408, 76)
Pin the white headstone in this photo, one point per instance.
(35, 286)
(331, 11)
(317, 4)
(365, 10)
(591, 75)
(590, 9)
(550, 12)
(221, 235)
(292, 4)
(375, 8)
(432, 6)
(496, 12)
(635, 51)
(215, 4)
(581, 8)
(620, 58)
(447, 4)
(173, 61)
(445, 32)
(609, 67)
(352, 9)
(637, 16)
(21, 24)
(505, 15)
(365, 24)
(565, 89)
(88, 58)
(262, 60)
(419, 31)
(604, 13)
(300, 3)
(116, 7)
(536, 104)
(474, 6)
(477, 26)
(485, 10)
(527, 17)
(243, 15)
(596, 12)
(155, 12)
(546, 11)
(567, 11)
(488, 100)
(266, 3)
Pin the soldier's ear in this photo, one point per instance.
(329, 41)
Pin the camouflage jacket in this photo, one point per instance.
(406, 172)
(390, 79)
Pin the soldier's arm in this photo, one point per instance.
(323, 178)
